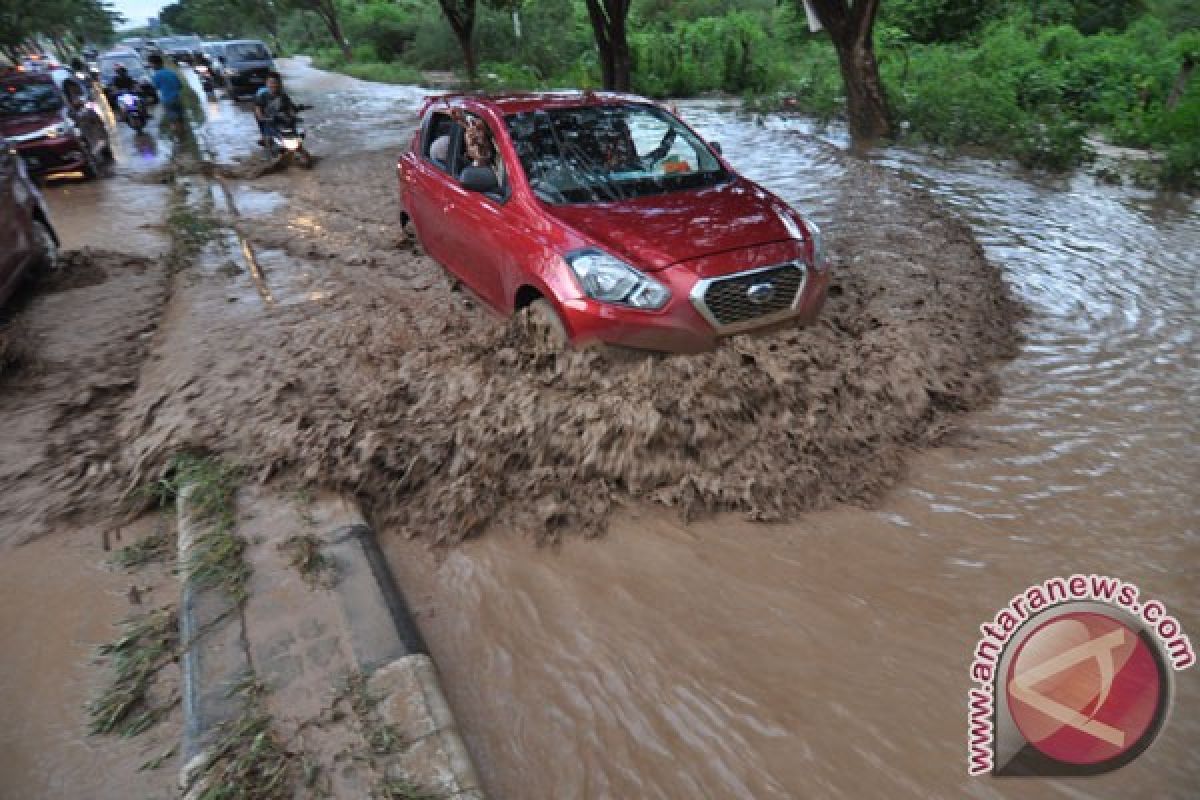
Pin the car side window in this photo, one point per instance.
(477, 147)
(439, 139)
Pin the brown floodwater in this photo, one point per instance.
(829, 657)
(60, 599)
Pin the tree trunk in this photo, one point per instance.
(468, 51)
(330, 15)
(850, 29)
(461, 16)
(1181, 82)
(866, 103)
(608, 25)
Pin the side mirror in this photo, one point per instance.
(479, 179)
(222, 59)
(716, 148)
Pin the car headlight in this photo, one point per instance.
(231, 72)
(610, 280)
(56, 131)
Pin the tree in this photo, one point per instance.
(850, 28)
(608, 24)
(327, 10)
(461, 16)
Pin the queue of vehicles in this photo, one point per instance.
(602, 216)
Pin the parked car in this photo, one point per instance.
(51, 135)
(27, 239)
(245, 64)
(107, 64)
(606, 219)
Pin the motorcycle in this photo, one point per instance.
(287, 139)
(132, 109)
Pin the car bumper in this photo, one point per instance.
(52, 156)
(246, 83)
(685, 325)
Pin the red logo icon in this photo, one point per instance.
(1085, 689)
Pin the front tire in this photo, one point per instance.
(91, 167)
(48, 257)
(302, 159)
(543, 326)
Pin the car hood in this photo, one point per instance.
(28, 123)
(656, 231)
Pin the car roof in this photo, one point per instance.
(518, 102)
(245, 41)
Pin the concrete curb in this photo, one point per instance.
(399, 670)
(215, 658)
(222, 649)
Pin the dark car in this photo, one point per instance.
(245, 64)
(51, 135)
(606, 219)
(181, 49)
(107, 64)
(27, 239)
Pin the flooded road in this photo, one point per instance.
(830, 657)
(721, 659)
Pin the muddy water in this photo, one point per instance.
(829, 657)
(49, 629)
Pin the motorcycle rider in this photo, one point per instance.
(121, 82)
(271, 102)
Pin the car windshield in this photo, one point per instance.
(18, 99)
(247, 51)
(595, 154)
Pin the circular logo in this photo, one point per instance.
(1084, 688)
(761, 293)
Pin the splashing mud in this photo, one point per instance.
(85, 329)
(395, 388)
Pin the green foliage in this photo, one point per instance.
(938, 20)
(731, 53)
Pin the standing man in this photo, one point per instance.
(170, 90)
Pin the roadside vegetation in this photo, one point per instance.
(1027, 79)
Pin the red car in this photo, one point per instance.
(50, 135)
(26, 237)
(606, 217)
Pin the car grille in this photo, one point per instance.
(748, 296)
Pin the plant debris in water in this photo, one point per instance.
(248, 760)
(215, 558)
(148, 643)
(154, 548)
(304, 554)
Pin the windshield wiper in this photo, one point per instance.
(591, 174)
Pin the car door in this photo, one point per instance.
(478, 236)
(429, 182)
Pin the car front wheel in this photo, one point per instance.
(47, 247)
(544, 327)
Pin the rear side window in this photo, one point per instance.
(247, 51)
(440, 140)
